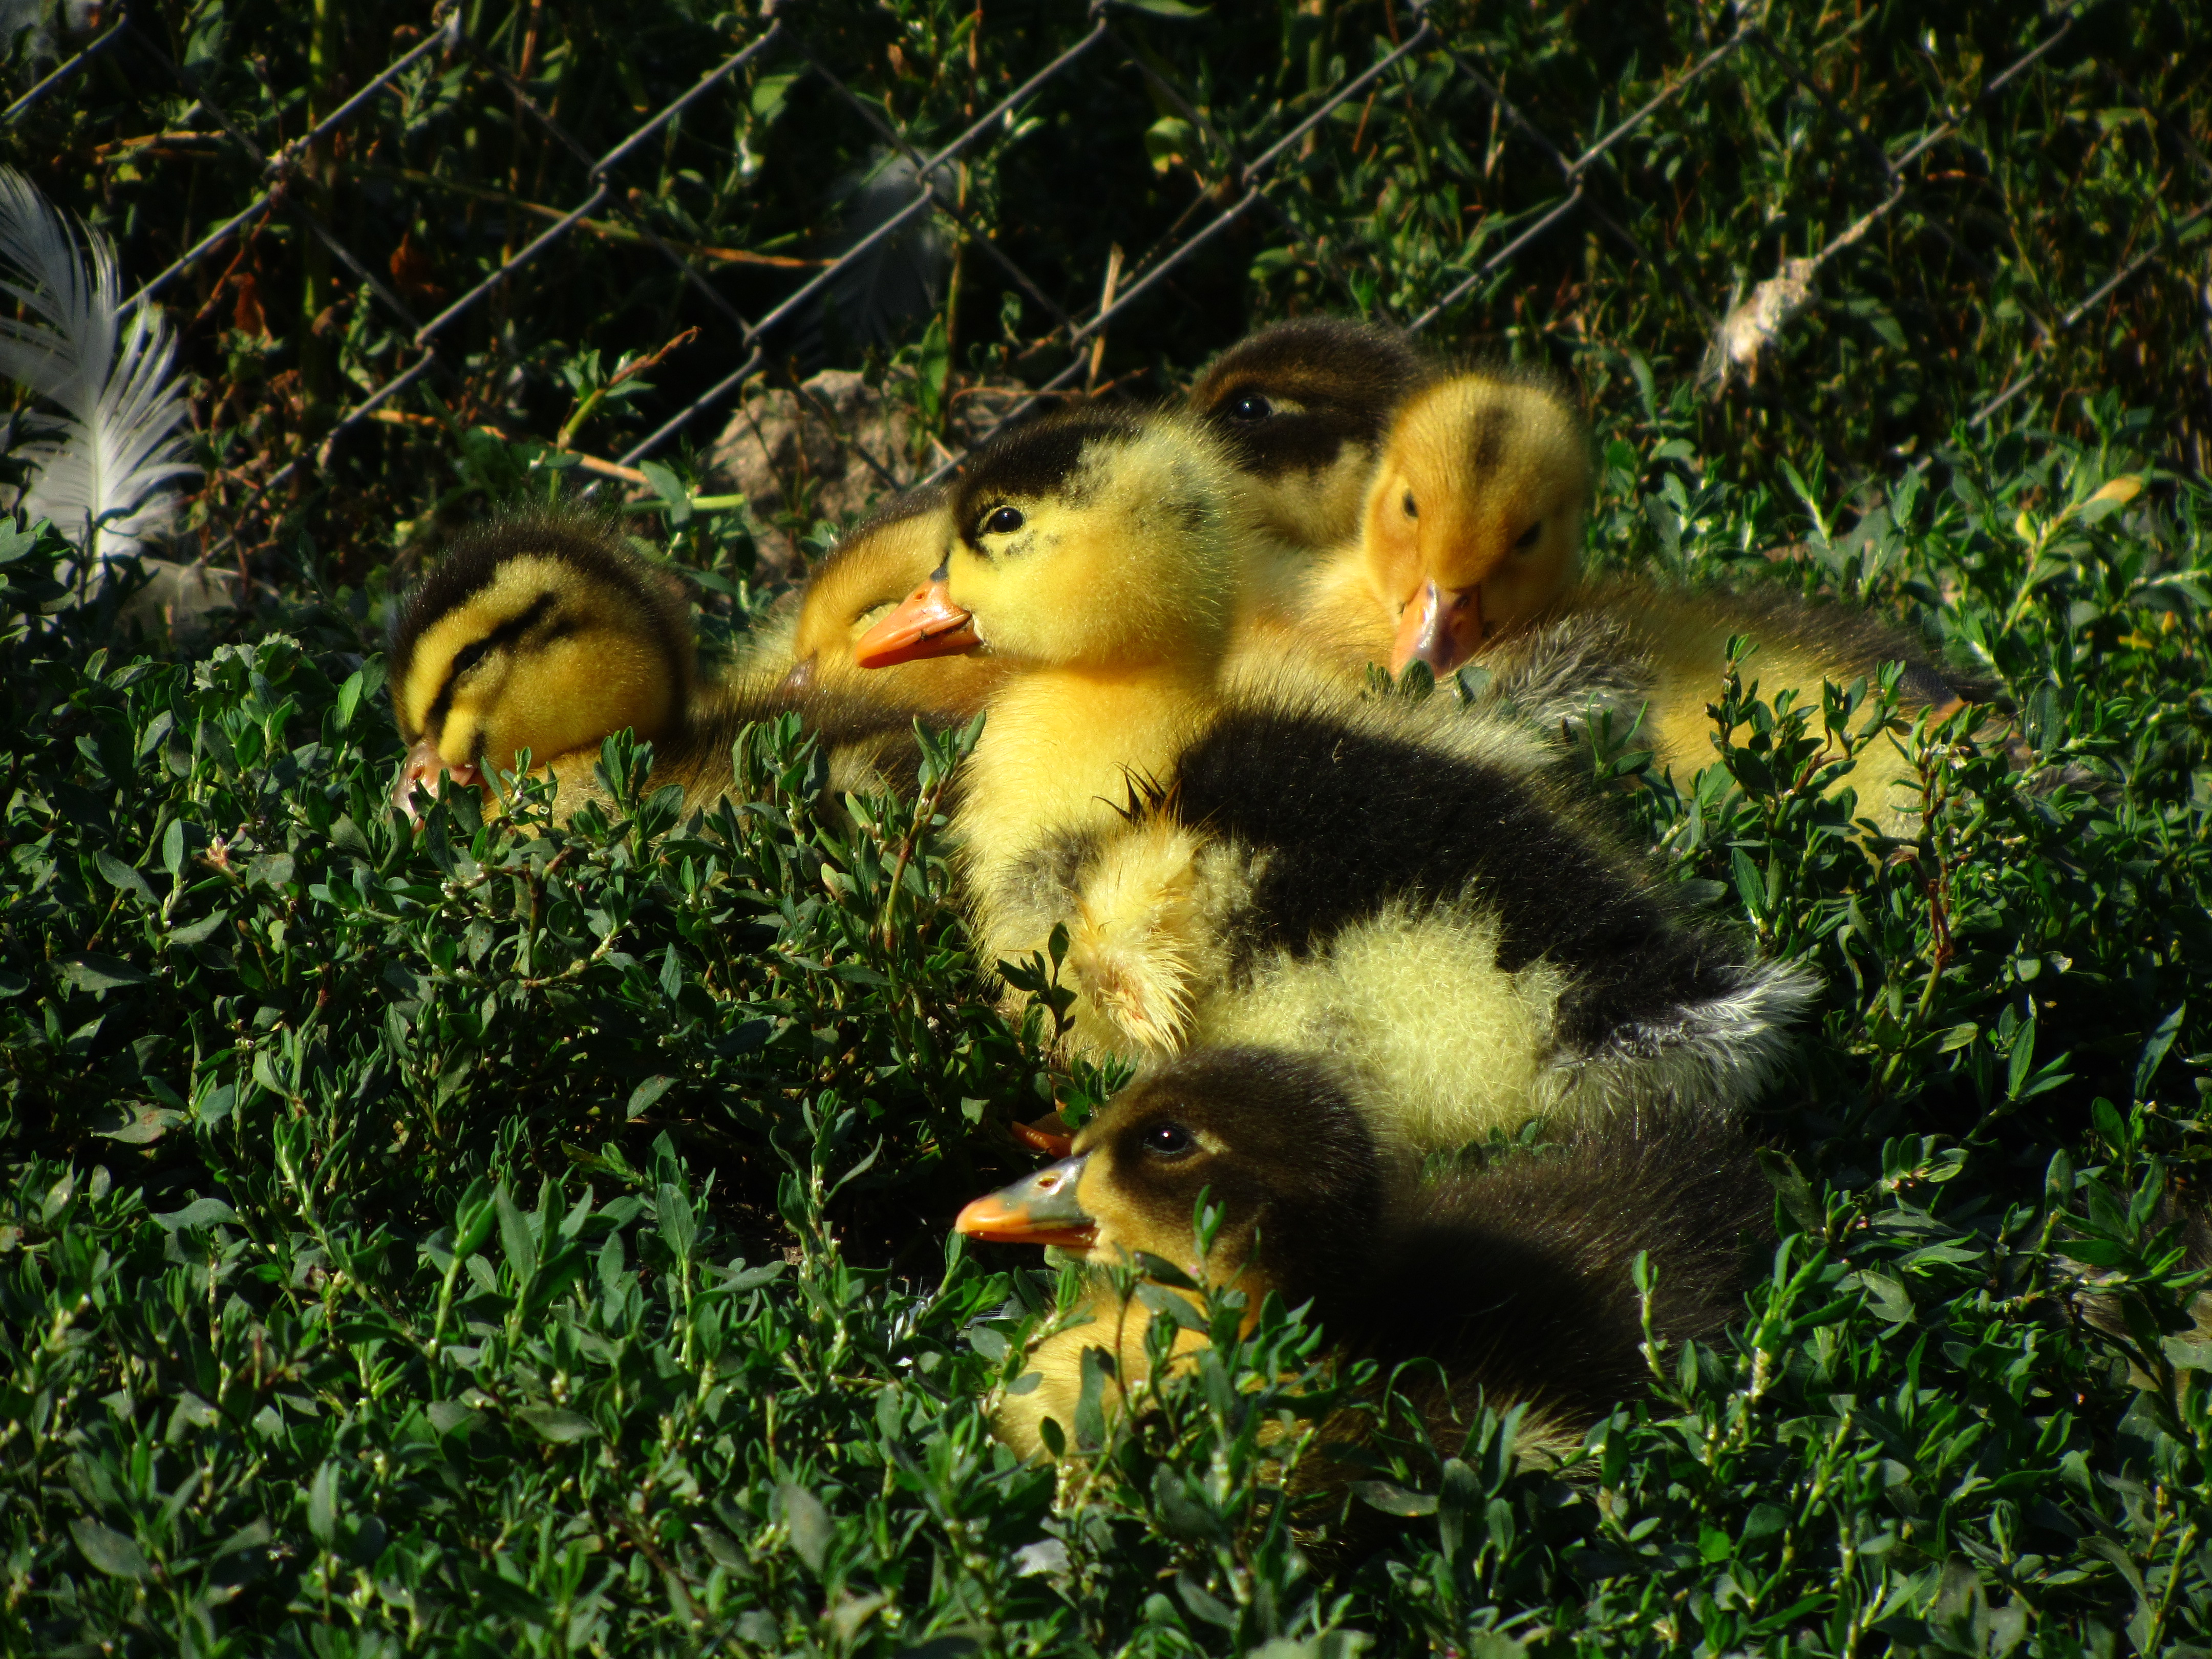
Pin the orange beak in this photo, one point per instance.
(1038, 1209)
(926, 625)
(422, 770)
(1048, 1134)
(1442, 627)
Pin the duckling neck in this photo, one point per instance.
(1062, 745)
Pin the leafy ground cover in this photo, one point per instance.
(500, 1238)
(505, 1236)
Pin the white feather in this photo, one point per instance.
(101, 478)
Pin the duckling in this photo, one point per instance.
(1247, 857)
(872, 567)
(1469, 543)
(1472, 525)
(1514, 1277)
(1304, 406)
(545, 633)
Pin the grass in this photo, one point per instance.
(506, 1239)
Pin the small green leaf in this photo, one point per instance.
(557, 1425)
(809, 1524)
(121, 876)
(1393, 1499)
(88, 970)
(109, 1550)
(642, 1097)
(323, 1504)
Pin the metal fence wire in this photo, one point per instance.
(412, 273)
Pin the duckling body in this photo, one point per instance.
(1640, 649)
(545, 633)
(1252, 859)
(1516, 1277)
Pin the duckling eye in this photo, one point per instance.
(1528, 536)
(1250, 407)
(1004, 521)
(469, 655)
(1413, 508)
(1168, 1140)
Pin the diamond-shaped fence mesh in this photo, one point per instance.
(379, 227)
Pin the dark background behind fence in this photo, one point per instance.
(387, 232)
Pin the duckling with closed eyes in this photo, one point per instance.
(544, 632)
(1514, 1277)
(871, 569)
(1244, 858)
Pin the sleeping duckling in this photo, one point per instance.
(545, 633)
(1304, 406)
(1251, 859)
(1469, 543)
(1514, 1277)
(871, 569)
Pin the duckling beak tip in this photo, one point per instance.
(926, 623)
(1441, 627)
(421, 771)
(1038, 1209)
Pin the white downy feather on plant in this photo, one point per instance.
(104, 476)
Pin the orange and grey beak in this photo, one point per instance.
(1442, 627)
(926, 625)
(422, 770)
(1038, 1209)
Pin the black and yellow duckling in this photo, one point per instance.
(1304, 406)
(1256, 859)
(546, 632)
(1515, 1277)
(1468, 547)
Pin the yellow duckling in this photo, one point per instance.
(874, 567)
(1248, 859)
(1515, 1277)
(1472, 527)
(1468, 547)
(546, 632)
(1304, 405)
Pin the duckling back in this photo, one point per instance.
(1637, 648)
(1423, 895)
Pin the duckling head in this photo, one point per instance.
(1276, 1140)
(1099, 540)
(1302, 406)
(541, 633)
(862, 581)
(1474, 521)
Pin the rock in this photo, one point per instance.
(836, 446)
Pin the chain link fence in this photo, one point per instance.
(431, 239)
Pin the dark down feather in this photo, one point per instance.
(1351, 822)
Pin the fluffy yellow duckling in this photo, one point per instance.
(810, 650)
(1469, 549)
(1304, 406)
(1472, 525)
(1514, 1277)
(546, 632)
(1259, 861)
